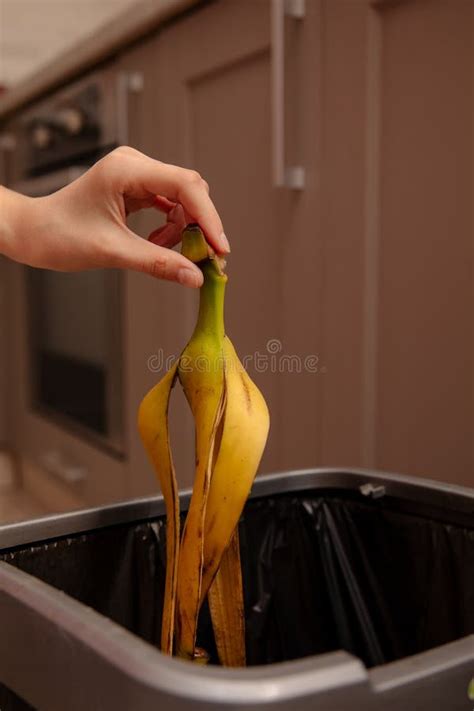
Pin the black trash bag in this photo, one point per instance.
(380, 579)
(324, 573)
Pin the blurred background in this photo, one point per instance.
(336, 136)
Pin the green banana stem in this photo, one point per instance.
(211, 302)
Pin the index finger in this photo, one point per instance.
(184, 186)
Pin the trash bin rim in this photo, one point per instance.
(390, 676)
(260, 684)
(140, 661)
(371, 484)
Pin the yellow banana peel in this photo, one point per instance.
(231, 426)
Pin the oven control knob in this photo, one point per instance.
(42, 136)
(70, 120)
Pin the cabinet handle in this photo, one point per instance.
(127, 83)
(283, 176)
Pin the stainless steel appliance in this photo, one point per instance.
(73, 320)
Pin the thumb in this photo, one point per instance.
(138, 254)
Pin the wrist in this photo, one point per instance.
(14, 211)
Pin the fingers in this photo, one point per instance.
(179, 185)
(191, 191)
(166, 236)
(163, 204)
(169, 234)
(133, 252)
(176, 216)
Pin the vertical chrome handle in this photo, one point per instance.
(127, 82)
(283, 176)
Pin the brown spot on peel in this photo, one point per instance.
(248, 400)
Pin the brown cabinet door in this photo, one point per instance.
(423, 381)
(397, 191)
(214, 114)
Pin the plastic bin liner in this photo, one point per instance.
(381, 579)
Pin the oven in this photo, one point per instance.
(73, 325)
(73, 339)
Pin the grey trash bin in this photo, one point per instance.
(359, 594)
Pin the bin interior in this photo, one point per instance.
(322, 571)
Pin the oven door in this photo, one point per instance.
(74, 340)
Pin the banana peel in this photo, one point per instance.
(154, 409)
(231, 424)
(226, 605)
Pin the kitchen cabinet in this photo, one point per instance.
(214, 114)
(397, 223)
(62, 465)
(350, 300)
(423, 282)
(369, 268)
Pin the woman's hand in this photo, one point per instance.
(83, 226)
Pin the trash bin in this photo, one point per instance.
(359, 594)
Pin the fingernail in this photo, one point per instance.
(224, 242)
(189, 277)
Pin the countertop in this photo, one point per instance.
(125, 29)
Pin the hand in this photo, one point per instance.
(83, 226)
